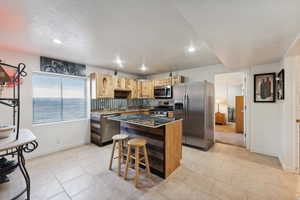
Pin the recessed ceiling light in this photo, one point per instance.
(119, 61)
(191, 49)
(121, 65)
(57, 41)
(143, 68)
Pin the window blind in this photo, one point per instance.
(58, 98)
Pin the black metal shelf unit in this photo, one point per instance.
(14, 101)
(9, 166)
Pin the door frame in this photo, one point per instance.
(247, 106)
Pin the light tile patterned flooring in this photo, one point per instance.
(224, 173)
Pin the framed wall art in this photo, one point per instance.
(265, 88)
(280, 85)
(62, 67)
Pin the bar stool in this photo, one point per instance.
(137, 144)
(120, 139)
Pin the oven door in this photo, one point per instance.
(163, 92)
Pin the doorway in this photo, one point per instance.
(229, 113)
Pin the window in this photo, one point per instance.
(58, 98)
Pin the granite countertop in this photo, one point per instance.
(151, 121)
(122, 110)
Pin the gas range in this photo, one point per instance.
(159, 113)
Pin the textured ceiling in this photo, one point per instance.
(157, 32)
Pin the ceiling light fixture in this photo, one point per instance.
(121, 65)
(119, 62)
(191, 49)
(143, 68)
(57, 41)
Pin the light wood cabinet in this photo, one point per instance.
(177, 79)
(101, 86)
(239, 114)
(146, 89)
(162, 82)
(119, 83)
(131, 84)
(168, 81)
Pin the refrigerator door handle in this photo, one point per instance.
(187, 105)
(184, 106)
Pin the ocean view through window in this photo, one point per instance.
(58, 98)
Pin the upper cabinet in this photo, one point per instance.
(162, 82)
(168, 81)
(131, 84)
(101, 86)
(104, 86)
(119, 83)
(146, 88)
(177, 79)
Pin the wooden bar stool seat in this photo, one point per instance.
(119, 139)
(137, 144)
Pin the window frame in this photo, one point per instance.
(61, 94)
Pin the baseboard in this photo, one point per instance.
(45, 153)
(285, 167)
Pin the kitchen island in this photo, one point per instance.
(163, 136)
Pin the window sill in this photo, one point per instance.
(58, 123)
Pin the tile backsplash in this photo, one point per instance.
(113, 104)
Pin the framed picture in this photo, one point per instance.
(265, 88)
(62, 67)
(280, 85)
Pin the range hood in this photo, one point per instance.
(122, 94)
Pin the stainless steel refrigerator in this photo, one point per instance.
(194, 103)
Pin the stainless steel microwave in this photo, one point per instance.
(163, 92)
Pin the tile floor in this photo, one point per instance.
(224, 173)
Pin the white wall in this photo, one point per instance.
(289, 155)
(224, 91)
(265, 118)
(233, 91)
(198, 74)
(264, 123)
(54, 136)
